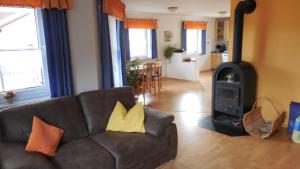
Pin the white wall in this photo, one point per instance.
(83, 31)
(173, 23)
(82, 22)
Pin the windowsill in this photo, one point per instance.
(16, 103)
(141, 59)
(22, 90)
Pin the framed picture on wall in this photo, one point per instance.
(168, 35)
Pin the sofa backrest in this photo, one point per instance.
(63, 112)
(98, 105)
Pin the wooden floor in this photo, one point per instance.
(200, 148)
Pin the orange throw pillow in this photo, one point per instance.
(44, 138)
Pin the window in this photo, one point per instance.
(23, 66)
(140, 43)
(194, 41)
(114, 30)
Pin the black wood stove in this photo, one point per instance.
(234, 83)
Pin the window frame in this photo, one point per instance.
(199, 43)
(148, 38)
(32, 93)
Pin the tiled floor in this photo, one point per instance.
(203, 149)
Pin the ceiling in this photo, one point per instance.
(204, 8)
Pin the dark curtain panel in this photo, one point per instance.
(154, 44)
(105, 48)
(183, 37)
(121, 41)
(126, 44)
(58, 52)
(203, 44)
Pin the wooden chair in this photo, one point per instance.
(157, 76)
(145, 83)
(153, 81)
(141, 82)
(150, 80)
(158, 71)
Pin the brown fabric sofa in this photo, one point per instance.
(85, 143)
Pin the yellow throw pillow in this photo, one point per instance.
(123, 121)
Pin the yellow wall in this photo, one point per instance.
(272, 45)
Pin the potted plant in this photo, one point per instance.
(169, 52)
(132, 73)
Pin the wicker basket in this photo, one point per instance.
(256, 126)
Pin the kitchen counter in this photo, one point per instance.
(179, 69)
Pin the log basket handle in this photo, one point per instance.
(268, 101)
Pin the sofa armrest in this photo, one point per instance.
(156, 121)
(170, 132)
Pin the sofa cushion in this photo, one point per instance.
(14, 156)
(127, 121)
(63, 112)
(130, 149)
(83, 154)
(44, 138)
(98, 106)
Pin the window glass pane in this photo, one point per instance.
(18, 28)
(140, 43)
(149, 43)
(21, 58)
(192, 41)
(21, 69)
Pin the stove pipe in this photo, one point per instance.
(243, 7)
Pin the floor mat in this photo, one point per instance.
(206, 123)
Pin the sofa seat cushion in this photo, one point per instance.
(14, 156)
(83, 154)
(130, 149)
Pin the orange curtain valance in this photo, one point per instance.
(114, 8)
(195, 25)
(140, 24)
(44, 4)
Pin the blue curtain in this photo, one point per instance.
(105, 48)
(183, 37)
(58, 52)
(154, 43)
(126, 43)
(121, 41)
(203, 44)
